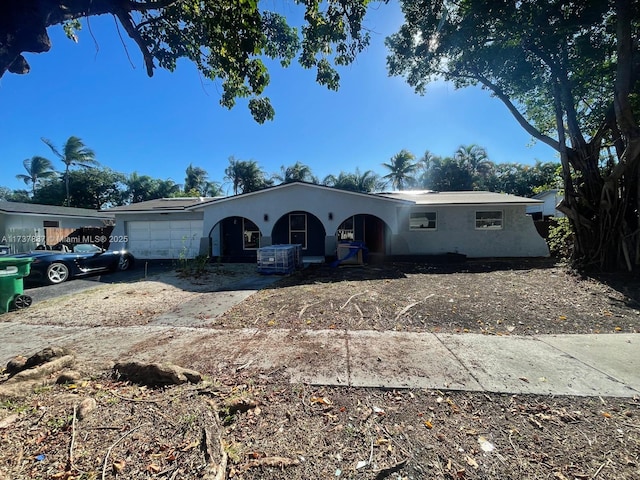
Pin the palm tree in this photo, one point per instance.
(429, 165)
(167, 189)
(139, 188)
(233, 173)
(366, 182)
(74, 153)
(299, 172)
(37, 168)
(246, 176)
(401, 169)
(212, 189)
(475, 160)
(196, 179)
(344, 181)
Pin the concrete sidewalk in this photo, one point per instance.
(586, 365)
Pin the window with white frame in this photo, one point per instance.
(423, 221)
(251, 234)
(490, 220)
(298, 229)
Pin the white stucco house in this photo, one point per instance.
(550, 200)
(23, 226)
(394, 224)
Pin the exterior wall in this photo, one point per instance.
(23, 232)
(267, 207)
(456, 233)
(548, 208)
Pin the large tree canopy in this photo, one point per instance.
(225, 39)
(568, 71)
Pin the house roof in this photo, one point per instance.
(428, 197)
(50, 210)
(417, 197)
(294, 185)
(162, 205)
(548, 193)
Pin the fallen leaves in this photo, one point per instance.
(485, 445)
(314, 432)
(118, 466)
(320, 400)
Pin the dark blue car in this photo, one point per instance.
(69, 261)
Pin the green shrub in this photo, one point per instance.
(194, 267)
(561, 238)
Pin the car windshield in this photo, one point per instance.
(86, 248)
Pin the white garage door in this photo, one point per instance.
(164, 239)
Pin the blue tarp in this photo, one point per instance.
(354, 248)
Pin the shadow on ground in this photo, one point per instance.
(325, 273)
(627, 284)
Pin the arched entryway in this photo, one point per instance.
(235, 239)
(302, 228)
(368, 229)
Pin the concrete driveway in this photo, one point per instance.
(39, 292)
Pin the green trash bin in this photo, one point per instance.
(12, 271)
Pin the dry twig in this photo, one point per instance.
(405, 310)
(122, 437)
(304, 309)
(601, 467)
(279, 462)
(351, 298)
(73, 438)
(128, 399)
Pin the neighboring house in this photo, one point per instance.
(396, 224)
(24, 226)
(166, 228)
(550, 199)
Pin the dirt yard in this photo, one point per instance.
(489, 297)
(266, 428)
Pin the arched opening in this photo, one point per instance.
(301, 228)
(367, 229)
(235, 239)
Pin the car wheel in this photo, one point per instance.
(57, 273)
(124, 263)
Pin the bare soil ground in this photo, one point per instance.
(479, 296)
(271, 429)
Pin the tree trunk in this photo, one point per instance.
(604, 212)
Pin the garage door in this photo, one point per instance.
(164, 239)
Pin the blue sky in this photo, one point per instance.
(158, 126)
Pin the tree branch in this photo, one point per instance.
(23, 25)
(530, 129)
(564, 90)
(130, 28)
(151, 5)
